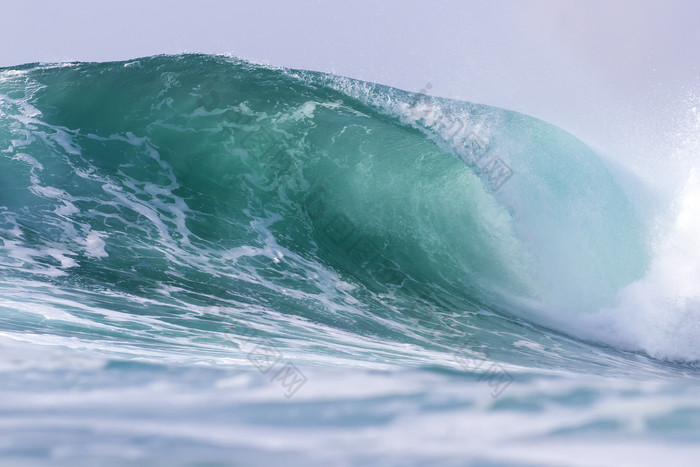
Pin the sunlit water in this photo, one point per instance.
(210, 262)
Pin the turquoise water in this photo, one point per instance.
(206, 261)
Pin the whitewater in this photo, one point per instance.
(205, 260)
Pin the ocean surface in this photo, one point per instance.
(210, 262)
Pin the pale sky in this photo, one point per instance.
(588, 66)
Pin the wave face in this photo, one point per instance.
(184, 210)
